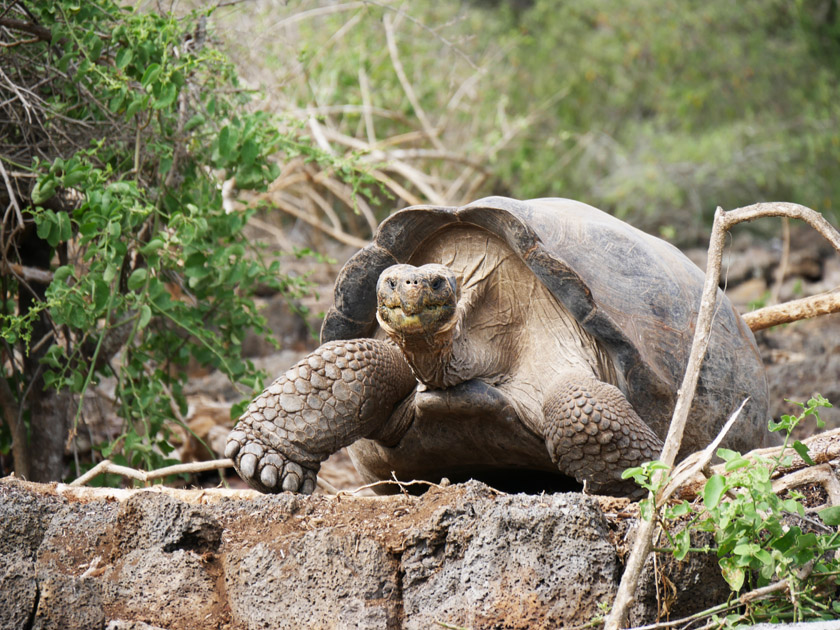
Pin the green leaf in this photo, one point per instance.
(678, 510)
(62, 273)
(124, 57)
(727, 455)
(110, 272)
(830, 515)
(737, 462)
(145, 317)
(193, 122)
(800, 448)
(44, 189)
(65, 229)
(150, 75)
(44, 224)
(733, 574)
(137, 279)
(227, 143)
(683, 541)
(167, 96)
(713, 491)
(151, 247)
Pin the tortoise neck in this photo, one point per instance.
(430, 356)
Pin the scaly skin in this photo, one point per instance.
(593, 434)
(343, 391)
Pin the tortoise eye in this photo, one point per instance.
(437, 283)
(392, 283)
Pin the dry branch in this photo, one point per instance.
(107, 466)
(804, 308)
(723, 222)
(823, 448)
(431, 132)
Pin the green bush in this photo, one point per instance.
(138, 119)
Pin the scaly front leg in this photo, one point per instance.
(343, 391)
(593, 434)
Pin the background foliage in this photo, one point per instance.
(129, 133)
(120, 258)
(655, 111)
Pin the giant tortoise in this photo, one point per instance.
(508, 341)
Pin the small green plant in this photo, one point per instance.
(762, 541)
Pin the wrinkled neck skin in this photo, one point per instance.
(431, 355)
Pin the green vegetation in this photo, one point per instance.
(655, 111)
(761, 540)
(124, 261)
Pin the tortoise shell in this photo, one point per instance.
(636, 294)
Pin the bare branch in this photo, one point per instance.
(41, 32)
(30, 274)
(804, 308)
(781, 272)
(314, 222)
(107, 466)
(431, 132)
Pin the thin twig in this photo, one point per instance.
(391, 482)
(107, 466)
(431, 132)
(367, 110)
(11, 192)
(698, 461)
(781, 272)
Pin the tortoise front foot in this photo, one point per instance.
(341, 392)
(594, 434)
(253, 446)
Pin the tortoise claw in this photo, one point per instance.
(263, 467)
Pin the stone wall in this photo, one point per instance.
(465, 555)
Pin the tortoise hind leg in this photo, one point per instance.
(593, 434)
(343, 391)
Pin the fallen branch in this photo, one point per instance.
(822, 474)
(804, 308)
(107, 466)
(723, 222)
(823, 449)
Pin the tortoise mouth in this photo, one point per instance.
(431, 318)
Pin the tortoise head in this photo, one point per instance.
(416, 300)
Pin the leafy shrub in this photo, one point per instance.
(135, 118)
(762, 541)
